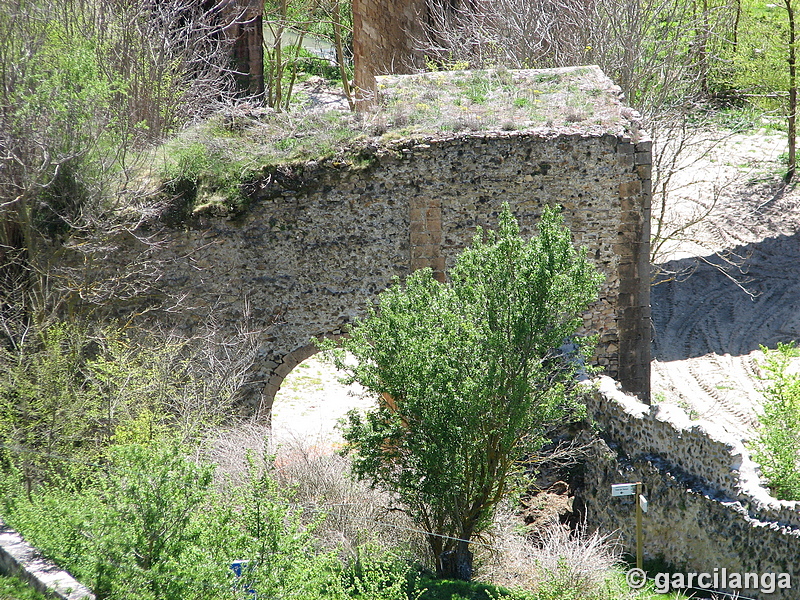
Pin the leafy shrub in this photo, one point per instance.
(777, 443)
(133, 529)
(70, 390)
(153, 528)
(470, 374)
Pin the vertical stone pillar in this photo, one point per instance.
(385, 36)
(633, 246)
(426, 235)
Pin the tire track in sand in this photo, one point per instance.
(708, 325)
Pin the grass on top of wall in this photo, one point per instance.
(213, 167)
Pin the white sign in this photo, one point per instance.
(623, 489)
(643, 503)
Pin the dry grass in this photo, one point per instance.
(223, 156)
(575, 560)
(500, 99)
(232, 449)
(357, 515)
(319, 481)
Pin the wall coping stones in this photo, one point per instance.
(19, 558)
(699, 448)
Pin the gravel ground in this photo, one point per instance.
(729, 285)
(310, 403)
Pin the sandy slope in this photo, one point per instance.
(732, 284)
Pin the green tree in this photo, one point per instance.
(474, 377)
(764, 63)
(777, 443)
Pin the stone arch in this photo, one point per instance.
(319, 241)
(279, 373)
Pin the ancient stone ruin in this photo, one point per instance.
(321, 238)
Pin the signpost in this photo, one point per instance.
(633, 489)
(623, 489)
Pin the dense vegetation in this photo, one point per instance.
(777, 443)
(475, 378)
(107, 426)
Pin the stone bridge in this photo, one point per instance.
(320, 240)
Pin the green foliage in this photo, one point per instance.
(54, 116)
(133, 529)
(12, 588)
(263, 528)
(314, 17)
(309, 64)
(454, 589)
(291, 27)
(151, 526)
(375, 573)
(759, 64)
(471, 375)
(198, 174)
(777, 444)
(84, 86)
(46, 408)
(208, 169)
(68, 391)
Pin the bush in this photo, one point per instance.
(70, 390)
(152, 523)
(777, 443)
(473, 374)
(152, 527)
(132, 529)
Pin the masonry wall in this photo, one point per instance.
(19, 559)
(706, 507)
(322, 239)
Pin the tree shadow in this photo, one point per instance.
(728, 304)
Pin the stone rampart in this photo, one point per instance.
(316, 246)
(706, 507)
(321, 238)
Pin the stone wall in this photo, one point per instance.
(320, 240)
(19, 559)
(706, 507)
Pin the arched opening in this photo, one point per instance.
(310, 402)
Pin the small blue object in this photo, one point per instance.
(240, 567)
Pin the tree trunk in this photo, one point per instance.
(701, 37)
(736, 19)
(456, 563)
(337, 32)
